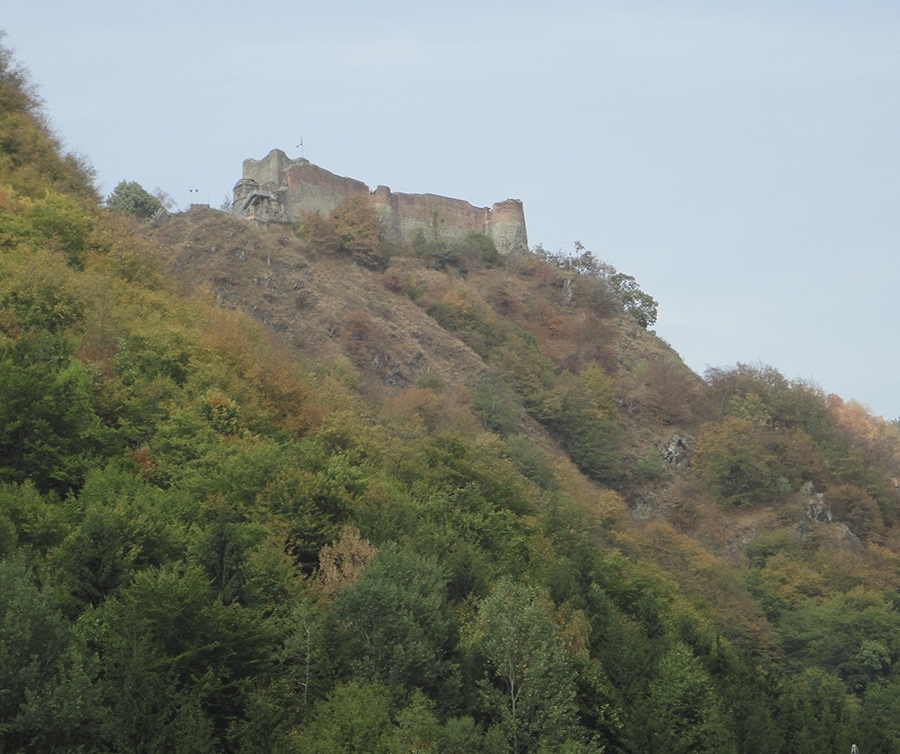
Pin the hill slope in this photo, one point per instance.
(429, 501)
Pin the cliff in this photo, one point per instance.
(279, 189)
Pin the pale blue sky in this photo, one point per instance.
(741, 161)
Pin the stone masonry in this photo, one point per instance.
(279, 189)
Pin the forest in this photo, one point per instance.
(216, 536)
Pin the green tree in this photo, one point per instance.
(479, 249)
(683, 714)
(63, 222)
(528, 684)
(354, 719)
(307, 654)
(816, 715)
(582, 411)
(495, 402)
(738, 463)
(48, 428)
(118, 524)
(130, 198)
(47, 701)
(41, 295)
(396, 625)
(175, 662)
(641, 306)
(880, 719)
(417, 729)
(854, 636)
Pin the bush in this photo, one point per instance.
(496, 404)
(650, 468)
(531, 461)
(479, 249)
(474, 251)
(359, 232)
(582, 412)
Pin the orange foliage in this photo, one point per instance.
(856, 508)
(669, 392)
(506, 303)
(422, 406)
(341, 563)
(877, 440)
(142, 457)
(262, 364)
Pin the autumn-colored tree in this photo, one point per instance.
(738, 463)
(341, 562)
(358, 230)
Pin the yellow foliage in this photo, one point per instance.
(611, 510)
(600, 392)
(573, 628)
(877, 440)
(875, 568)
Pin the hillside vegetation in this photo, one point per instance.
(289, 489)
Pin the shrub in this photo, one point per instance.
(495, 403)
(650, 467)
(358, 231)
(353, 228)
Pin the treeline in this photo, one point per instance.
(207, 545)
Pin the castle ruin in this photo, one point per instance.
(279, 189)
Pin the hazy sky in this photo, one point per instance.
(741, 160)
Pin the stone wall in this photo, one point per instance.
(279, 189)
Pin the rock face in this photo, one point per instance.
(279, 189)
(677, 450)
(816, 508)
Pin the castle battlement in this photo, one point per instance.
(279, 189)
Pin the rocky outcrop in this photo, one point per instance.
(678, 450)
(816, 508)
(279, 189)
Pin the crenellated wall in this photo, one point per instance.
(279, 189)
